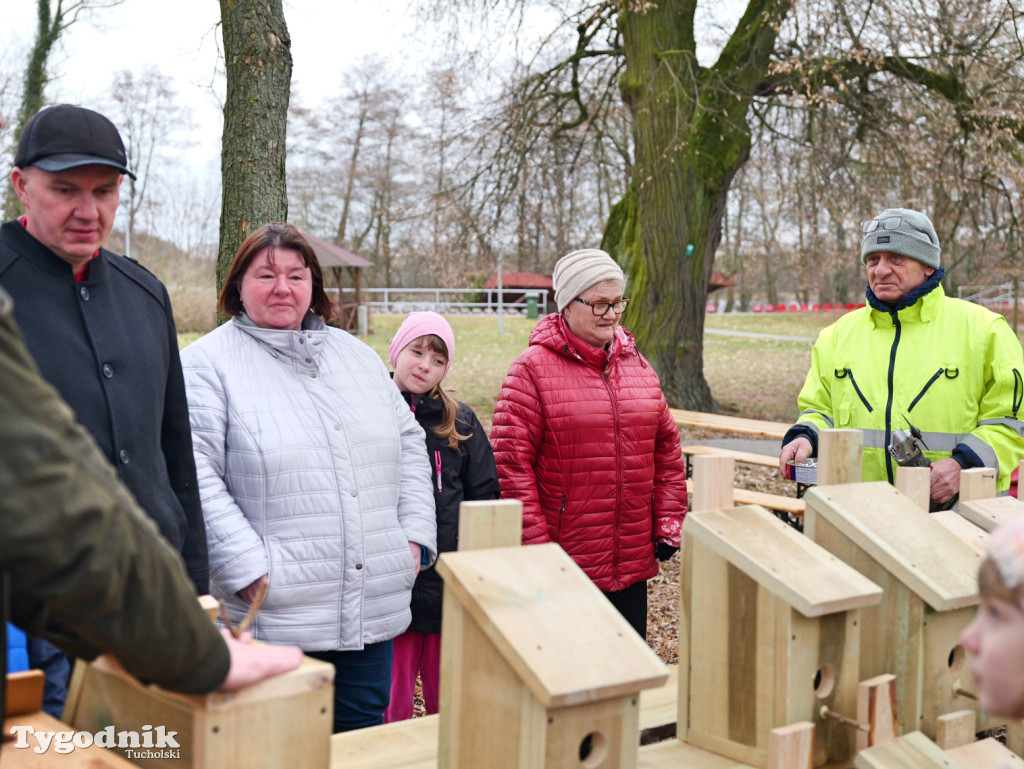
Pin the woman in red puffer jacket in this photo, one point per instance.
(583, 437)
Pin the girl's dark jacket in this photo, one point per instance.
(467, 474)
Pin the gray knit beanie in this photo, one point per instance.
(576, 272)
(902, 231)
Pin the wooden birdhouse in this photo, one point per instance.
(285, 720)
(769, 634)
(538, 669)
(930, 579)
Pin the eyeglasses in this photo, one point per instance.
(888, 223)
(601, 308)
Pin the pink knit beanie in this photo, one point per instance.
(417, 324)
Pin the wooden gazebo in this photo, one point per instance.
(335, 259)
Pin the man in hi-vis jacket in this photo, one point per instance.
(950, 368)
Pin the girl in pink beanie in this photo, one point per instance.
(460, 455)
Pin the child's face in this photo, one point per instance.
(418, 369)
(996, 639)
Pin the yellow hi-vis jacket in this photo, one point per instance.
(952, 368)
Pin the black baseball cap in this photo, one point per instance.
(65, 136)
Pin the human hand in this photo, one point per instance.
(797, 450)
(251, 663)
(663, 551)
(417, 556)
(249, 593)
(945, 479)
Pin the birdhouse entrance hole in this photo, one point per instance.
(824, 681)
(593, 751)
(956, 658)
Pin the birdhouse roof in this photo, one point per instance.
(932, 561)
(551, 624)
(990, 513)
(785, 562)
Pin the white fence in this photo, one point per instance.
(987, 295)
(463, 301)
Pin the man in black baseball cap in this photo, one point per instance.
(98, 324)
(63, 137)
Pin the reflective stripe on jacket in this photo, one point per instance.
(952, 368)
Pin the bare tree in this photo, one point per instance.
(146, 110)
(52, 20)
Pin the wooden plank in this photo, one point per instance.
(791, 566)
(687, 587)
(991, 513)
(977, 483)
(956, 729)
(989, 753)
(210, 605)
(675, 754)
(531, 603)
(794, 507)
(791, 505)
(912, 751)
(1015, 736)
(708, 617)
(745, 457)
(414, 743)
(876, 707)
(975, 536)
(932, 561)
(712, 482)
(915, 483)
(411, 743)
(293, 711)
(659, 706)
(839, 457)
(24, 692)
(92, 757)
(791, 747)
(490, 523)
(708, 421)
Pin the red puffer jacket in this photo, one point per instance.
(585, 440)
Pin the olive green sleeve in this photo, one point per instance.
(87, 570)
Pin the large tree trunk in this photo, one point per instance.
(690, 137)
(258, 60)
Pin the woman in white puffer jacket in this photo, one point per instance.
(312, 472)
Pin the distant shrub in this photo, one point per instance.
(195, 308)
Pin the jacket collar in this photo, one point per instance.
(41, 256)
(921, 303)
(296, 346)
(554, 333)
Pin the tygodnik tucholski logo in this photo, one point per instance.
(158, 743)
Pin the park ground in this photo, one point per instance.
(752, 377)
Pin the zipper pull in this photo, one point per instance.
(437, 464)
(412, 403)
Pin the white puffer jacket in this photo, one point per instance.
(312, 470)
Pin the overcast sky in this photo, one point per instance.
(181, 39)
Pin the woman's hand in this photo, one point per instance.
(417, 555)
(249, 593)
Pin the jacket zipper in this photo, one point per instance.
(923, 391)
(618, 484)
(853, 381)
(561, 513)
(888, 405)
(1018, 391)
(437, 465)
